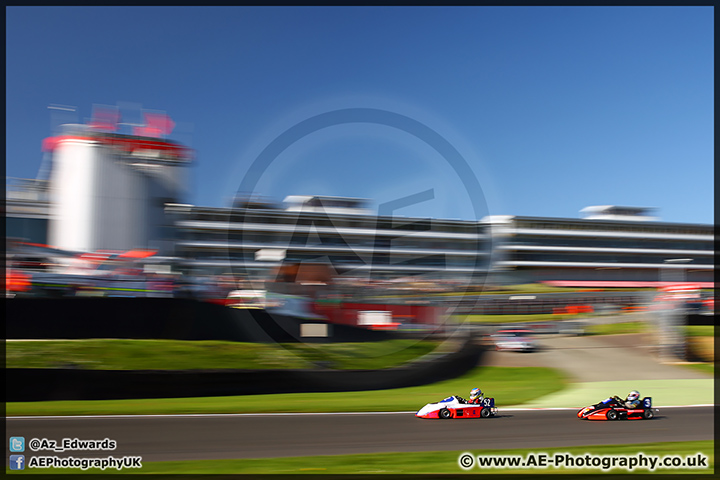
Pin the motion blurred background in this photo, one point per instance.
(366, 223)
(357, 209)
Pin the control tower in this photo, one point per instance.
(108, 191)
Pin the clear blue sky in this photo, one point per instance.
(553, 108)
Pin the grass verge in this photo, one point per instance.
(700, 330)
(117, 354)
(616, 328)
(528, 288)
(492, 319)
(512, 385)
(427, 462)
(542, 288)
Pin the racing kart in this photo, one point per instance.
(457, 407)
(613, 408)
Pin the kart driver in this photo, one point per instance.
(632, 400)
(476, 396)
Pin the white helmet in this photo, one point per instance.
(475, 393)
(632, 396)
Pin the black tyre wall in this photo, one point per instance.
(76, 384)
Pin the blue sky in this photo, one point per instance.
(552, 108)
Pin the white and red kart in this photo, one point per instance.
(458, 407)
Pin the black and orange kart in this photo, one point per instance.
(613, 408)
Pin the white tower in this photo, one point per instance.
(108, 191)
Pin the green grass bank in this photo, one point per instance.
(509, 385)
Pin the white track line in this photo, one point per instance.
(210, 415)
(297, 414)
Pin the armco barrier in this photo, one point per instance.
(25, 384)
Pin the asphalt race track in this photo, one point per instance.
(158, 438)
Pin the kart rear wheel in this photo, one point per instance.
(485, 412)
(444, 413)
(648, 414)
(611, 415)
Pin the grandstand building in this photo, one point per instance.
(603, 249)
(597, 251)
(255, 237)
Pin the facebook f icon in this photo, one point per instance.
(17, 462)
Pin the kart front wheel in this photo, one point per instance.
(611, 415)
(444, 413)
(648, 414)
(485, 412)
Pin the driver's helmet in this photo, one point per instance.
(475, 393)
(632, 396)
